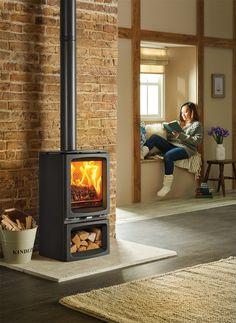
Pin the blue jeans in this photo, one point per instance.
(170, 152)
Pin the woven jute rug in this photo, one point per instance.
(203, 293)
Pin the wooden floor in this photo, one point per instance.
(198, 237)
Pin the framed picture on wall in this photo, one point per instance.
(217, 85)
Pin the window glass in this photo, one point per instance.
(151, 96)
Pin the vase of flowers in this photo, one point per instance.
(218, 135)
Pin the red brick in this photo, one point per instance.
(22, 18)
(16, 87)
(21, 77)
(3, 45)
(4, 55)
(33, 87)
(2, 145)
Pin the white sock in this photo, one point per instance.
(167, 183)
(163, 191)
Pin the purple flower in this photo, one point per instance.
(218, 134)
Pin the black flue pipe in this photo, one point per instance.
(68, 74)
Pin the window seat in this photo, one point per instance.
(152, 172)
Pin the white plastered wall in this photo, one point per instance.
(181, 76)
(176, 16)
(218, 21)
(124, 125)
(124, 13)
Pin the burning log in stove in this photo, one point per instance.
(83, 193)
(86, 181)
(86, 240)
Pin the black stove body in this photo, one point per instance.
(73, 198)
(73, 185)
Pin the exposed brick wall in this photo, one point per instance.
(30, 86)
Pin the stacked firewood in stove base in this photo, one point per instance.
(85, 240)
(15, 220)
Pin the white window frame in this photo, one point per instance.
(161, 115)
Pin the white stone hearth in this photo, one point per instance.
(123, 254)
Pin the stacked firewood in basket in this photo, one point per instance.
(86, 240)
(15, 220)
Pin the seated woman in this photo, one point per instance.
(179, 145)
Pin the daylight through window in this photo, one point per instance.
(151, 96)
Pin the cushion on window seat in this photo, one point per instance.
(155, 128)
(146, 130)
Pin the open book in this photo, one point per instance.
(172, 126)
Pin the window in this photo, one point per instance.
(151, 96)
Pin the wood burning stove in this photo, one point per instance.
(73, 185)
(73, 199)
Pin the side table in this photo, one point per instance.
(221, 178)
